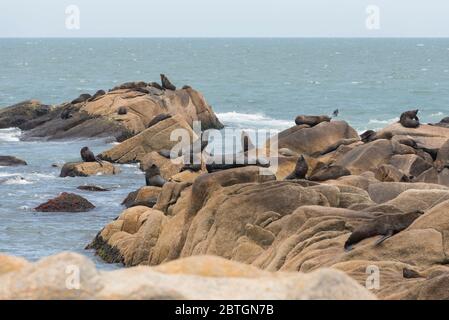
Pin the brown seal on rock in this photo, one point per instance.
(166, 84)
(300, 170)
(122, 111)
(156, 85)
(368, 136)
(82, 98)
(97, 94)
(160, 117)
(330, 173)
(311, 120)
(246, 142)
(88, 156)
(153, 177)
(409, 119)
(386, 226)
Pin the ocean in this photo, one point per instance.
(250, 83)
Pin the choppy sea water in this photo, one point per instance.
(251, 84)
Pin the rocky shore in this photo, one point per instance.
(351, 203)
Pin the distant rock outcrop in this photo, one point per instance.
(66, 202)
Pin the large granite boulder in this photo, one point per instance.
(85, 169)
(56, 277)
(20, 115)
(121, 113)
(66, 202)
(155, 138)
(9, 161)
(324, 137)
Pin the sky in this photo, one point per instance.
(224, 18)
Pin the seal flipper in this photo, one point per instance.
(389, 234)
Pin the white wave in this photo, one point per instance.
(388, 121)
(16, 180)
(438, 114)
(10, 134)
(256, 120)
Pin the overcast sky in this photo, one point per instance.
(225, 18)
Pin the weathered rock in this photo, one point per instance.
(93, 188)
(214, 279)
(85, 169)
(145, 196)
(20, 114)
(66, 202)
(97, 116)
(316, 139)
(389, 173)
(410, 164)
(9, 161)
(383, 192)
(11, 264)
(152, 139)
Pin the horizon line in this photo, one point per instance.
(225, 37)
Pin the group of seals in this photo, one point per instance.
(82, 98)
(153, 177)
(88, 156)
(409, 119)
(386, 226)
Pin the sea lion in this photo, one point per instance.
(160, 117)
(186, 87)
(410, 274)
(246, 142)
(153, 177)
(335, 113)
(409, 119)
(231, 161)
(329, 173)
(386, 226)
(88, 156)
(93, 188)
(97, 94)
(122, 111)
(300, 171)
(142, 90)
(66, 114)
(130, 85)
(156, 85)
(368, 136)
(82, 98)
(408, 142)
(311, 120)
(166, 84)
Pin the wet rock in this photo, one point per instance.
(9, 161)
(66, 202)
(93, 188)
(85, 169)
(19, 115)
(145, 196)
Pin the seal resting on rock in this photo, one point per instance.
(153, 177)
(160, 117)
(88, 156)
(122, 111)
(82, 98)
(156, 85)
(386, 226)
(409, 119)
(311, 120)
(166, 84)
(329, 173)
(97, 94)
(368, 136)
(300, 169)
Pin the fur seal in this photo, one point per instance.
(160, 117)
(311, 120)
(153, 177)
(82, 98)
(186, 87)
(386, 226)
(88, 156)
(246, 142)
(156, 85)
(66, 114)
(335, 113)
(329, 173)
(122, 111)
(300, 170)
(409, 119)
(97, 94)
(410, 274)
(166, 84)
(368, 136)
